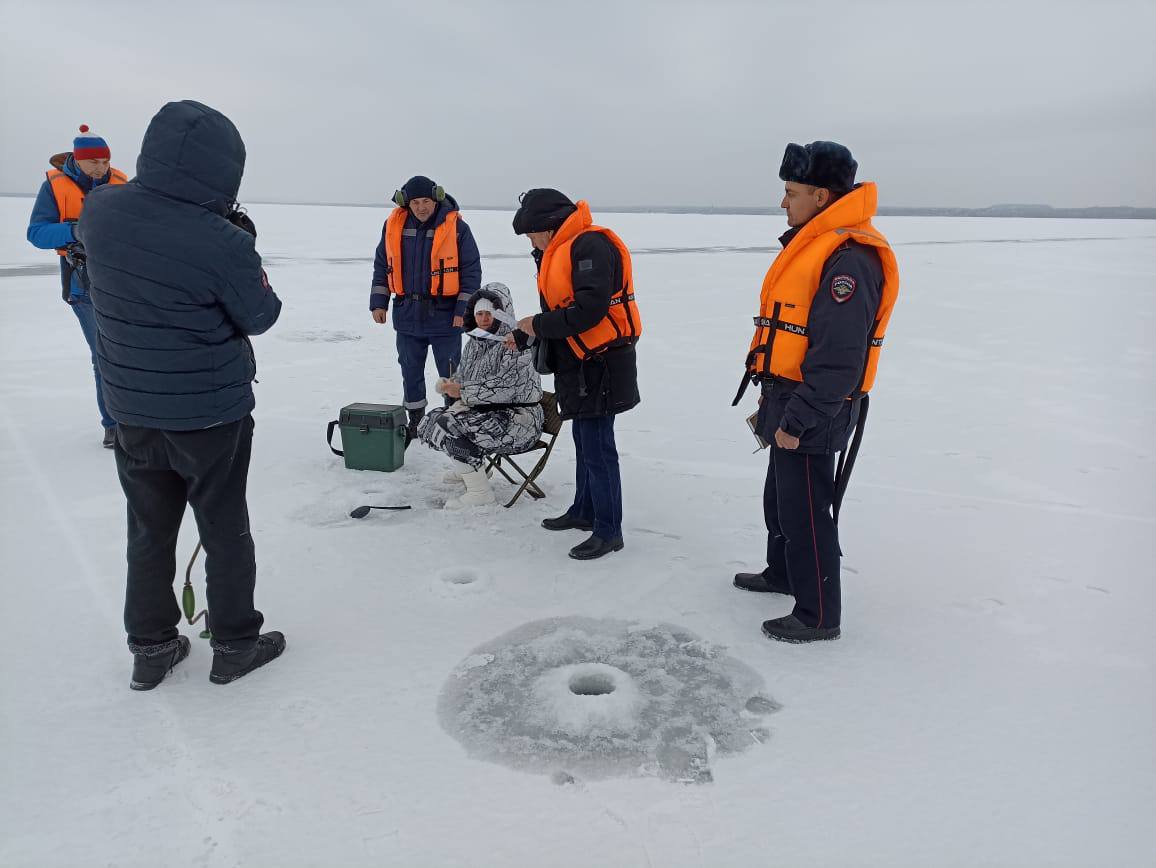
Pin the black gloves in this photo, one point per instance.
(77, 259)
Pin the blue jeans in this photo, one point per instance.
(85, 315)
(411, 355)
(598, 494)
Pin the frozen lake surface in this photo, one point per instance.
(992, 700)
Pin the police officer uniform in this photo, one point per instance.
(824, 311)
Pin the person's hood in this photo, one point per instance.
(193, 153)
(66, 164)
(499, 296)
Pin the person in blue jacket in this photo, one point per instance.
(427, 263)
(74, 174)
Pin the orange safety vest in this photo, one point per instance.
(781, 340)
(69, 196)
(444, 265)
(622, 323)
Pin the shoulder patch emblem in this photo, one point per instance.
(842, 287)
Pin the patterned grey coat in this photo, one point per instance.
(499, 410)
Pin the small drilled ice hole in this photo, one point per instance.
(591, 684)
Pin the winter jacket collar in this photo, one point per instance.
(66, 164)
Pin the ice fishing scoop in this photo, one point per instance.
(363, 511)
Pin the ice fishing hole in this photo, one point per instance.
(591, 684)
(460, 577)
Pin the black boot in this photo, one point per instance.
(791, 629)
(759, 583)
(595, 547)
(415, 417)
(567, 522)
(151, 663)
(229, 665)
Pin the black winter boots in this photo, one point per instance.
(229, 664)
(760, 583)
(595, 547)
(567, 522)
(151, 663)
(415, 417)
(791, 629)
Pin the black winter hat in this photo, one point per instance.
(820, 164)
(420, 187)
(542, 209)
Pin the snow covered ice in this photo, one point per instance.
(991, 702)
(603, 697)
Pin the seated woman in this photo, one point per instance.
(497, 394)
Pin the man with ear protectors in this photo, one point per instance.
(427, 264)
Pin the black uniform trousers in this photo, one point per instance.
(161, 472)
(802, 541)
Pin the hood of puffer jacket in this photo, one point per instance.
(499, 296)
(193, 153)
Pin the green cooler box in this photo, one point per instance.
(373, 436)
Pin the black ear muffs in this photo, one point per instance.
(400, 199)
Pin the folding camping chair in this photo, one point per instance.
(551, 428)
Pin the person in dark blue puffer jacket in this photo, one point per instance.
(424, 315)
(178, 289)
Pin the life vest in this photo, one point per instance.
(443, 266)
(781, 340)
(622, 323)
(70, 197)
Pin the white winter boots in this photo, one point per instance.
(478, 491)
(454, 475)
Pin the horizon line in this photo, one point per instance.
(718, 209)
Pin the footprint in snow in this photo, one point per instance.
(461, 581)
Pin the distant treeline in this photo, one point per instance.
(1117, 212)
(1109, 212)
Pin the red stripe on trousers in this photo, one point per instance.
(815, 542)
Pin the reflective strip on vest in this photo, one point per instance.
(764, 322)
(444, 265)
(781, 337)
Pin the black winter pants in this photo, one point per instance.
(802, 542)
(161, 472)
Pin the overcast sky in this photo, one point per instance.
(644, 103)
